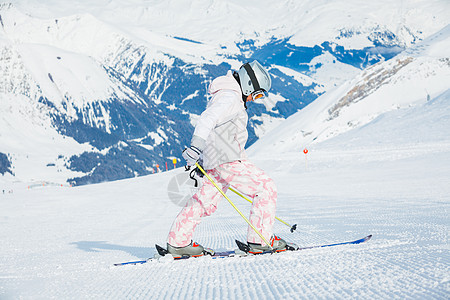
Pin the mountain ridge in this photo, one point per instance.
(134, 100)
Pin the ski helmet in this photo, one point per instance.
(253, 77)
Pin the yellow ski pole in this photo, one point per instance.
(234, 206)
(293, 227)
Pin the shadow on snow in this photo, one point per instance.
(99, 246)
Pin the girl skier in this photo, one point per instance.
(218, 144)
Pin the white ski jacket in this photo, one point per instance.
(221, 130)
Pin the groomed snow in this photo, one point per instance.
(388, 178)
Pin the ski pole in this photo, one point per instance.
(293, 227)
(234, 206)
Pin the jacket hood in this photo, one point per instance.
(226, 82)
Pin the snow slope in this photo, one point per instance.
(414, 76)
(26, 126)
(388, 178)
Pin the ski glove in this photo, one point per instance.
(191, 155)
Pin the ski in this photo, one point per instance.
(242, 251)
(359, 241)
(290, 247)
(133, 262)
(163, 252)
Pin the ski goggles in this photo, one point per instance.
(261, 94)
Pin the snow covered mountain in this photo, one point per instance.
(96, 92)
(388, 178)
(418, 75)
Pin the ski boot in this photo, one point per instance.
(277, 243)
(191, 250)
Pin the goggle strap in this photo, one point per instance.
(252, 76)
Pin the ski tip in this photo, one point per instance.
(242, 246)
(161, 251)
(364, 239)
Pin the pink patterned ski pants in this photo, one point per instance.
(246, 178)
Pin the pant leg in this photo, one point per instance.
(201, 204)
(255, 183)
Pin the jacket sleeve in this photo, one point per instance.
(219, 109)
